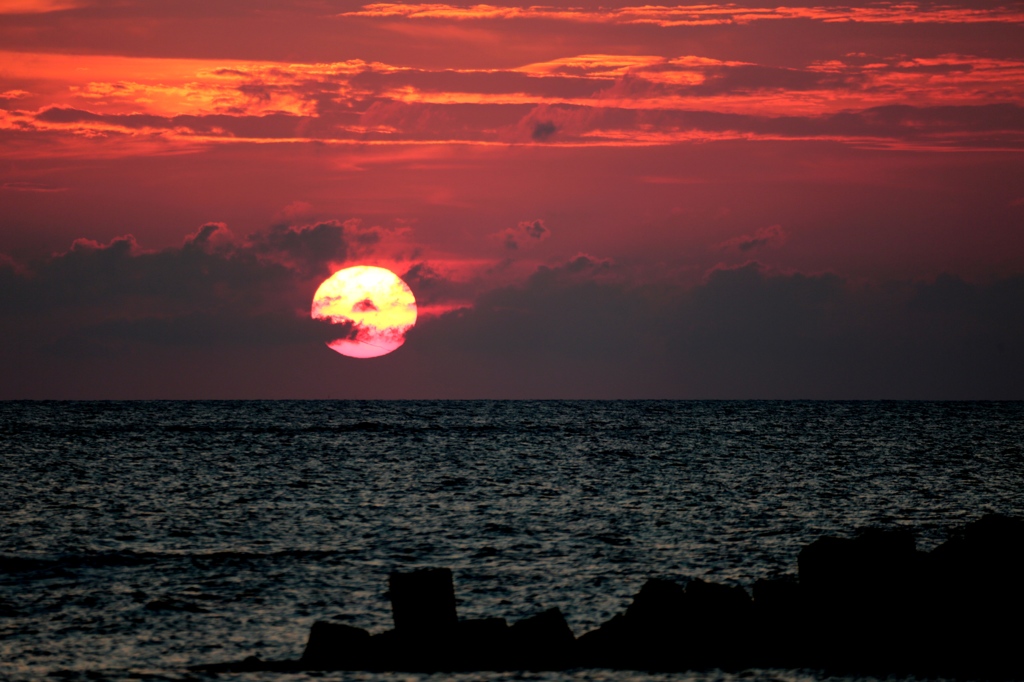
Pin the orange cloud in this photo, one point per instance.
(700, 15)
(591, 65)
(37, 6)
(159, 106)
(174, 87)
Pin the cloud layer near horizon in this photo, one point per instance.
(87, 321)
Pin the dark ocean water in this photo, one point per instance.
(139, 538)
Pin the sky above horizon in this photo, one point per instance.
(744, 200)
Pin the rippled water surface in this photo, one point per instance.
(140, 538)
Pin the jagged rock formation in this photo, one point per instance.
(872, 604)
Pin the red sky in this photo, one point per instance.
(709, 201)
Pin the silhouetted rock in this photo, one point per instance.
(777, 598)
(779, 623)
(841, 568)
(872, 604)
(423, 601)
(335, 646)
(651, 630)
(668, 627)
(657, 606)
(425, 634)
(542, 642)
(718, 619)
(858, 595)
(991, 548)
(483, 644)
(977, 598)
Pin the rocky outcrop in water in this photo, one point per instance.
(872, 604)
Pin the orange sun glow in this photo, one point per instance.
(375, 306)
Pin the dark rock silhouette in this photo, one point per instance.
(484, 643)
(423, 601)
(779, 622)
(542, 642)
(858, 595)
(668, 627)
(335, 646)
(429, 637)
(872, 604)
(975, 599)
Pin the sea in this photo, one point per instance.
(140, 538)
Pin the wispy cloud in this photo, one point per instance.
(38, 6)
(772, 235)
(27, 186)
(940, 102)
(701, 15)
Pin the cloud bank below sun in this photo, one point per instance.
(583, 327)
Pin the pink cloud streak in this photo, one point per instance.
(698, 15)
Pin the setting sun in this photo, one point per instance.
(375, 307)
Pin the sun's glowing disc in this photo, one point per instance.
(373, 307)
